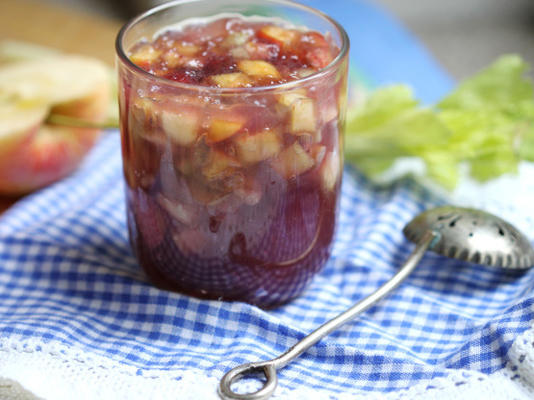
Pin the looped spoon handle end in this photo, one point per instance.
(267, 368)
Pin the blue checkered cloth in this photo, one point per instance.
(68, 276)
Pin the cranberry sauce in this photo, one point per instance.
(233, 196)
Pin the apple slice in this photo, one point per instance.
(16, 51)
(253, 148)
(276, 34)
(258, 69)
(20, 122)
(292, 161)
(231, 80)
(32, 154)
(54, 80)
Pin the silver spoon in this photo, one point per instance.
(463, 233)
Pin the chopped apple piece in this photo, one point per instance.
(145, 54)
(319, 57)
(239, 53)
(173, 59)
(187, 49)
(287, 99)
(219, 165)
(292, 161)
(303, 118)
(143, 110)
(232, 80)
(330, 171)
(276, 34)
(257, 147)
(222, 128)
(235, 39)
(143, 119)
(261, 51)
(258, 69)
(181, 126)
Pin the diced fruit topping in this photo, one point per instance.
(292, 161)
(222, 128)
(232, 80)
(303, 118)
(253, 148)
(258, 69)
(181, 126)
(282, 37)
(202, 53)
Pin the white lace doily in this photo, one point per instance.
(51, 372)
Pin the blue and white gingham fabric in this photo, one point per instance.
(68, 276)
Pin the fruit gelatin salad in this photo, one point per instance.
(231, 148)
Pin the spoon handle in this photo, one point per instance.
(269, 367)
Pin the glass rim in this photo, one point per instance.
(121, 54)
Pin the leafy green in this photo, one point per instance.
(487, 122)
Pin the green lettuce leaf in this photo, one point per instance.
(487, 122)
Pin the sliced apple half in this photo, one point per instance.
(54, 80)
(33, 154)
(20, 122)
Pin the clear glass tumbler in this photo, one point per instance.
(250, 218)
